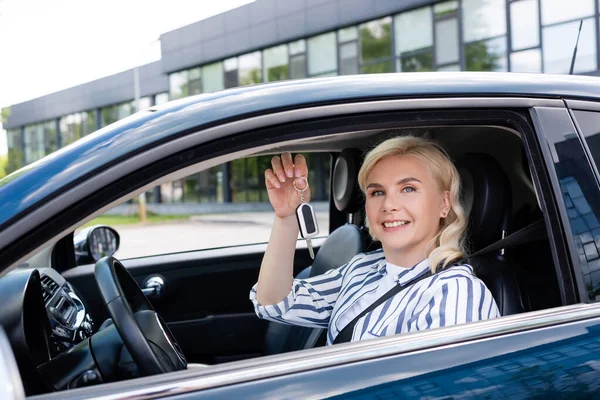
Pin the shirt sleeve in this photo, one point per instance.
(309, 303)
(454, 300)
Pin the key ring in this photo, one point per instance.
(300, 190)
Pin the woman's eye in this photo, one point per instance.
(409, 189)
(376, 193)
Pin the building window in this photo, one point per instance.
(249, 69)
(484, 31)
(35, 143)
(297, 52)
(524, 24)
(115, 112)
(526, 61)
(413, 34)
(212, 76)
(447, 50)
(178, 85)
(15, 150)
(161, 98)
(231, 72)
(322, 55)
(554, 11)
(376, 46)
(194, 81)
(276, 63)
(348, 50)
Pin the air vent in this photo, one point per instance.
(49, 287)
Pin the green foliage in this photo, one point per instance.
(278, 73)
(5, 114)
(15, 160)
(479, 58)
(251, 77)
(3, 163)
(421, 62)
(373, 47)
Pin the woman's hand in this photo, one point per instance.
(279, 181)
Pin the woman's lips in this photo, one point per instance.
(393, 226)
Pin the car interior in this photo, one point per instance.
(206, 309)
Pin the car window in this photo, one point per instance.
(582, 197)
(226, 205)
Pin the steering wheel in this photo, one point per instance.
(147, 337)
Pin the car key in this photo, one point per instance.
(307, 220)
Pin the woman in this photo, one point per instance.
(412, 207)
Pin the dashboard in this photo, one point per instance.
(43, 317)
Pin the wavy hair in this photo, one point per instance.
(448, 245)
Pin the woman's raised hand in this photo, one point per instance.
(279, 181)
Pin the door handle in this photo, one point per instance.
(154, 287)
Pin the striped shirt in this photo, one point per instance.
(452, 296)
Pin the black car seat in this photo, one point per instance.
(487, 198)
(339, 248)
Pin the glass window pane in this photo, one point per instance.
(524, 24)
(449, 68)
(178, 84)
(276, 63)
(249, 69)
(416, 62)
(347, 34)
(445, 9)
(483, 19)
(349, 58)
(213, 77)
(145, 102)
(526, 61)
(376, 39)
(195, 87)
(195, 73)
(446, 41)
(49, 129)
(407, 37)
(377, 68)
(558, 44)
(161, 98)
(231, 72)
(489, 55)
(89, 121)
(298, 66)
(15, 150)
(565, 10)
(322, 57)
(297, 47)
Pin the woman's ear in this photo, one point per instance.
(446, 206)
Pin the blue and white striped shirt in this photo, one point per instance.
(452, 296)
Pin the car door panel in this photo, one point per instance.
(541, 362)
(205, 301)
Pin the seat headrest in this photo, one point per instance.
(487, 198)
(346, 193)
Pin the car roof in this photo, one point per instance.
(22, 189)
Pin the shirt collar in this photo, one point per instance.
(407, 275)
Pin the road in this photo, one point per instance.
(199, 232)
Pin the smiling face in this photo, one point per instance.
(404, 206)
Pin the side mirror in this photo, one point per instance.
(94, 242)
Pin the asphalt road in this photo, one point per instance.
(199, 232)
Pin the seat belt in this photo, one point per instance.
(531, 233)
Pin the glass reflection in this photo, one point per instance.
(178, 85)
(446, 39)
(231, 72)
(276, 63)
(489, 55)
(249, 69)
(15, 150)
(558, 43)
(524, 24)
(349, 58)
(376, 40)
(322, 57)
(483, 19)
(554, 11)
(213, 77)
(445, 9)
(414, 46)
(526, 61)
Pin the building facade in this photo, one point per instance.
(271, 40)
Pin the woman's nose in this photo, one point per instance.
(391, 204)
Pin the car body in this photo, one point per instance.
(541, 129)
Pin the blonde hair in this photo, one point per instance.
(448, 244)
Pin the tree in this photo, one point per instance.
(5, 114)
(479, 58)
(3, 164)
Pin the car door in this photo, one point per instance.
(205, 265)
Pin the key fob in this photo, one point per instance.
(307, 221)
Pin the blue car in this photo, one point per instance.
(80, 321)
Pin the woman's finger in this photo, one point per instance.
(278, 168)
(300, 168)
(271, 180)
(288, 165)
